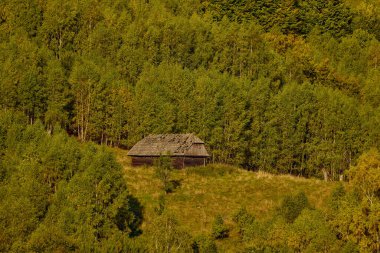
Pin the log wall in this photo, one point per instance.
(177, 162)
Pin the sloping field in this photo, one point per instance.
(205, 192)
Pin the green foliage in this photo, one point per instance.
(337, 195)
(161, 205)
(167, 236)
(365, 177)
(58, 195)
(355, 210)
(163, 171)
(93, 206)
(312, 233)
(204, 244)
(362, 204)
(290, 16)
(219, 229)
(280, 86)
(244, 221)
(292, 206)
(276, 86)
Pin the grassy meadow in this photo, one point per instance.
(207, 191)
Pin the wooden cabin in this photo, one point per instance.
(184, 149)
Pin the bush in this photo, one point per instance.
(163, 172)
(161, 205)
(244, 220)
(292, 206)
(337, 195)
(166, 235)
(219, 229)
(311, 233)
(204, 244)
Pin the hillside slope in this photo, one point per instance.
(205, 192)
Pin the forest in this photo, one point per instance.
(281, 87)
(60, 195)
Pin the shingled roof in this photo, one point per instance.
(172, 144)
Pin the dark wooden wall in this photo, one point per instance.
(194, 161)
(177, 162)
(140, 161)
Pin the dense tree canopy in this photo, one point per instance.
(59, 195)
(278, 86)
(283, 86)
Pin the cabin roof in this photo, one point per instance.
(169, 144)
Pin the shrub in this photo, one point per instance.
(337, 195)
(163, 172)
(292, 206)
(244, 221)
(204, 244)
(311, 233)
(161, 205)
(219, 229)
(166, 235)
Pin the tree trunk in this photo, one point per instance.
(325, 175)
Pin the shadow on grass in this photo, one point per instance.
(137, 218)
(173, 185)
(176, 183)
